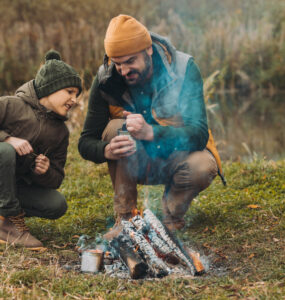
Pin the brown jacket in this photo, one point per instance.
(22, 116)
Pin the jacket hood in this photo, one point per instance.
(28, 94)
(165, 44)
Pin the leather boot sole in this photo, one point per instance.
(40, 249)
(172, 226)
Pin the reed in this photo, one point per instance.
(243, 40)
(248, 49)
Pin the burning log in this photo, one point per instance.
(157, 267)
(159, 245)
(147, 249)
(124, 245)
(174, 246)
(197, 262)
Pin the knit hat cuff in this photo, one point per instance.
(58, 84)
(128, 46)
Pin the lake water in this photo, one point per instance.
(248, 126)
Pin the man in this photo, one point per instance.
(158, 92)
(33, 149)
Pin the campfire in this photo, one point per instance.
(144, 249)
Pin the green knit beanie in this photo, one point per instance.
(55, 75)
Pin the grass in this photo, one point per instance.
(240, 229)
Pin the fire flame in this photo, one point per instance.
(196, 261)
(136, 212)
(95, 251)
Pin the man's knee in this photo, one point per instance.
(111, 129)
(196, 172)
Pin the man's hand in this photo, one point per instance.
(22, 147)
(119, 146)
(41, 164)
(138, 127)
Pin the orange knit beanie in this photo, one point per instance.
(125, 35)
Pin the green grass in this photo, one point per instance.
(246, 246)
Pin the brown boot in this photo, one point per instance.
(14, 231)
(173, 224)
(117, 228)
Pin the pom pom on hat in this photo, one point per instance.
(52, 54)
(125, 35)
(55, 75)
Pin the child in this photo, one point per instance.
(33, 149)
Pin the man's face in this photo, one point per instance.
(136, 68)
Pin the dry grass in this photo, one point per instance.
(235, 38)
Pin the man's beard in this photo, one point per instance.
(143, 75)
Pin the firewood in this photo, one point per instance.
(124, 245)
(170, 240)
(160, 246)
(157, 267)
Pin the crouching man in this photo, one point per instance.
(158, 92)
(33, 148)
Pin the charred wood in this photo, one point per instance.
(125, 247)
(157, 267)
(170, 240)
(159, 245)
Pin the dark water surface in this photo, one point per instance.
(245, 127)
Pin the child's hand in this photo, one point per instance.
(41, 164)
(22, 147)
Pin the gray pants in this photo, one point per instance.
(184, 175)
(17, 196)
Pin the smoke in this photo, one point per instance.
(146, 196)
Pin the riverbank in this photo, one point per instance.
(240, 229)
(248, 127)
